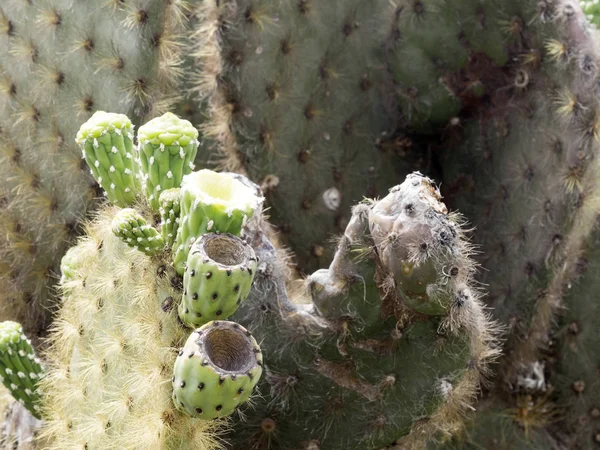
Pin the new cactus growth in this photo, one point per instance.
(218, 277)
(216, 370)
(20, 369)
(130, 226)
(169, 214)
(211, 202)
(106, 141)
(167, 149)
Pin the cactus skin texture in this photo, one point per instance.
(20, 368)
(59, 62)
(303, 108)
(133, 229)
(113, 346)
(167, 149)
(213, 375)
(106, 141)
(169, 214)
(211, 202)
(218, 276)
(349, 352)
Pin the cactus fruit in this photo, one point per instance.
(211, 202)
(20, 369)
(59, 62)
(167, 149)
(169, 214)
(218, 276)
(216, 370)
(106, 141)
(133, 229)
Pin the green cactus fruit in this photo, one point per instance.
(169, 214)
(106, 141)
(167, 149)
(130, 226)
(216, 370)
(215, 202)
(20, 369)
(113, 346)
(218, 276)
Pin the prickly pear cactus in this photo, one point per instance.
(113, 347)
(59, 62)
(352, 363)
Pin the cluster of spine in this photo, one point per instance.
(528, 176)
(59, 62)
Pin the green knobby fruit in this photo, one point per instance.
(216, 370)
(218, 276)
(106, 141)
(20, 369)
(169, 214)
(215, 202)
(133, 229)
(167, 149)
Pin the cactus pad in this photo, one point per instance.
(216, 370)
(106, 141)
(130, 226)
(20, 369)
(215, 202)
(167, 149)
(218, 277)
(169, 214)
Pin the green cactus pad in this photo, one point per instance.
(133, 229)
(106, 141)
(218, 276)
(167, 149)
(169, 214)
(216, 370)
(215, 202)
(20, 369)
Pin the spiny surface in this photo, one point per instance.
(352, 365)
(113, 346)
(59, 62)
(304, 101)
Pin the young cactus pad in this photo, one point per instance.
(167, 149)
(218, 277)
(20, 369)
(216, 370)
(169, 214)
(215, 202)
(133, 229)
(106, 141)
